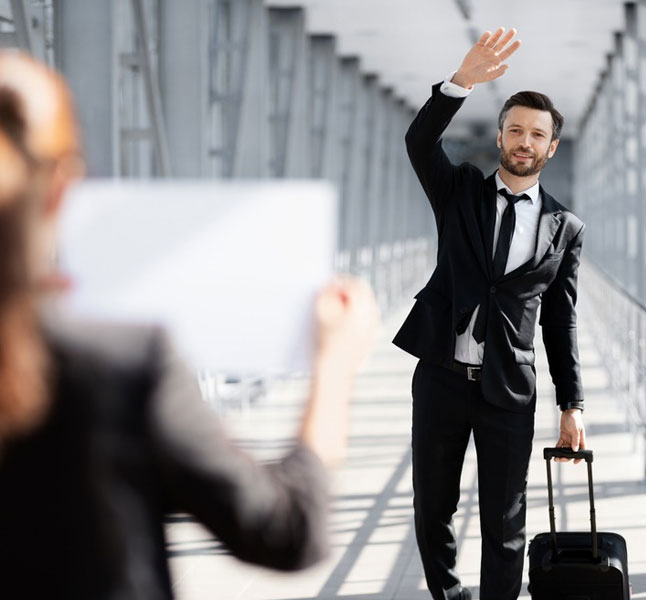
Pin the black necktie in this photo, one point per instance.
(505, 235)
(507, 225)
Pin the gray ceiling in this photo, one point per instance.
(410, 44)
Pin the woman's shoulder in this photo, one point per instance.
(107, 343)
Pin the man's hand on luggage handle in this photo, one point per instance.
(572, 433)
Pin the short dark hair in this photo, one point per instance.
(533, 100)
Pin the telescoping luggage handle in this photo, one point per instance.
(548, 454)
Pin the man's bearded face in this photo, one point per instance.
(525, 141)
(522, 161)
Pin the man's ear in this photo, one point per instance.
(499, 139)
(552, 148)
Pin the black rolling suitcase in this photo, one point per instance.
(577, 565)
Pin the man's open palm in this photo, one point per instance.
(485, 61)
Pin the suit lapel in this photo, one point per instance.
(548, 224)
(478, 219)
(488, 207)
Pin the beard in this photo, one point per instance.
(522, 170)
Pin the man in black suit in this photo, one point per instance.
(505, 247)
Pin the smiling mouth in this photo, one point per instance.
(521, 156)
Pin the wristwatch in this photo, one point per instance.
(575, 404)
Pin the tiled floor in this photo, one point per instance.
(374, 553)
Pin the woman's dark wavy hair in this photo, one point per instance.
(537, 101)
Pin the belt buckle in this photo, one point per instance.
(472, 373)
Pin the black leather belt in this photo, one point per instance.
(472, 373)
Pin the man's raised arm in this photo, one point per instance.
(483, 62)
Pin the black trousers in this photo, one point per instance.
(446, 409)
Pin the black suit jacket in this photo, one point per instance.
(464, 204)
(128, 438)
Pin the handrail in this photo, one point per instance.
(618, 315)
(615, 284)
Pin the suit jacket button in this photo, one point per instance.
(492, 289)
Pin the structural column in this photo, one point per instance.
(250, 138)
(92, 76)
(289, 147)
(640, 33)
(323, 102)
(349, 143)
(183, 59)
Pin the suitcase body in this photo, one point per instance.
(577, 565)
(575, 574)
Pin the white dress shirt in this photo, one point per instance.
(523, 242)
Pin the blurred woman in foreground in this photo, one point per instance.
(102, 428)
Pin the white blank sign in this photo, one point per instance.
(231, 269)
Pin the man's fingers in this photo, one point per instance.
(504, 40)
(499, 71)
(491, 42)
(575, 437)
(507, 52)
(561, 443)
(484, 38)
(582, 443)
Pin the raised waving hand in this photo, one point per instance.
(486, 60)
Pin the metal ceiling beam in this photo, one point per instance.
(151, 84)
